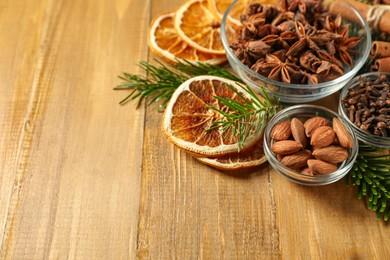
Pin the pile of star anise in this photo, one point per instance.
(299, 43)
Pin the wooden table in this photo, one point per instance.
(85, 178)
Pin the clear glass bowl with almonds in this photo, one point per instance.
(298, 52)
(310, 145)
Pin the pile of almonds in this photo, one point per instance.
(312, 147)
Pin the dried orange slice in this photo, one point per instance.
(187, 117)
(219, 7)
(164, 41)
(197, 26)
(253, 156)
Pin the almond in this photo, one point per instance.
(344, 137)
(336, 140)
(281, 131)
(279, 157)
(297, 160)
(298, 131)
(322, 136)
(286, 147)
(307, 171)
(313, 123)
(331, 154)
(320, 167)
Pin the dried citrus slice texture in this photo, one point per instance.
(187, 117)
(253, 156)
(219, 7)
(197, 26)
(164, 41)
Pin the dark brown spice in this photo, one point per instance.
(309, 44)
(372, 96)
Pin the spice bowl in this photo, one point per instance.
(350, 114)
(303, 113)
(294, 92)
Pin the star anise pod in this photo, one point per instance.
(309, 61)
(262, 68)
(283, 39)
(251, 26)
(329, 70)
(335, 25)
(271, 12)
(266, 29)
(302, 5)
(241, 53)
(328, 55)
(345, 47)
(281, 70)
(308, 78)
(286, 26)
(257, 49)
(254, 8)
(250, 51)
(282, 17)
(323, 37)
(304, 34)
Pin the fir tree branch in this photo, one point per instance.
(245, 118)
(371, 175)
(160, 81)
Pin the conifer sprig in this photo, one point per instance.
(371, 175)
(158, 82)
(247, 117)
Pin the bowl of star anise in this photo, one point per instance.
(298, 50)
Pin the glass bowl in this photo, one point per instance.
(306, 112)
(365, 137)
(296, 93)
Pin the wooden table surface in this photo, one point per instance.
(82, 177)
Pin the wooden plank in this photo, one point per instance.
(191, 211)
(327, 221)
(17, 83)
(76, 164)
(82, 177)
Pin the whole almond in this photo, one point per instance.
(322, 136)
(297, 159)
(279, 157)
(286, 147)
(281, 131)
(320, 167)
(331, 154)
(298, 131)
(307, 171)
(344, 137)
(313, 123)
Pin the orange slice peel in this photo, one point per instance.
(165, 42)
(197, 26)
(188, 117)
(252, 157)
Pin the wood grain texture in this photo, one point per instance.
(84, 178)
(70, 182)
